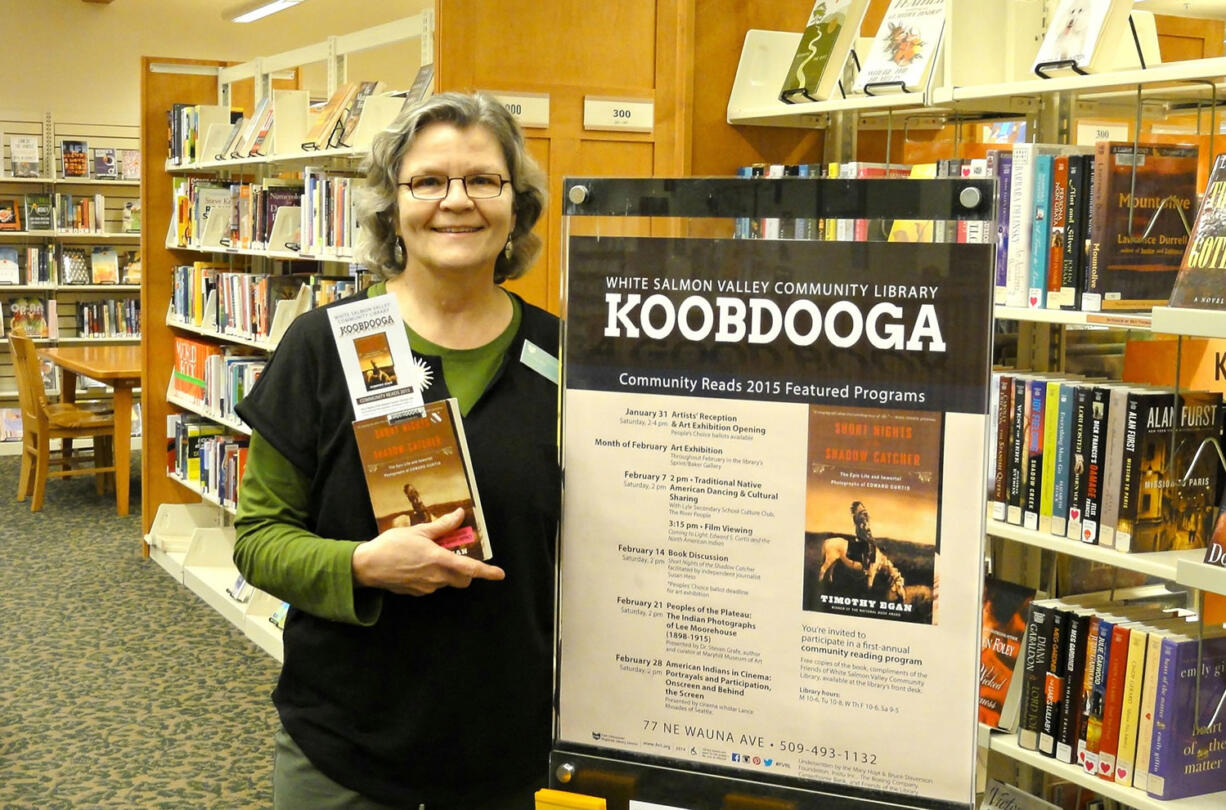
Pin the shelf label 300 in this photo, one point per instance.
(1089, 133)
(618, 114)
(528, 109)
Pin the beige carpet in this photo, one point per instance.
(118, 687)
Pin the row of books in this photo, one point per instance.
(329, 226)
(107, 163)
(1105, 463)
(243, 215)
(242, 304)
(58, 264)
(204, 455)
(1083, 36)
(109, 317)
(1113, 687)
(214, 378)
(1075, 229)
(64, 213)
(38, 317)
(206, 133)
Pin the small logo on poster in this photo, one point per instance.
(736, 757)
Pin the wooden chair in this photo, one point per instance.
(42, 421)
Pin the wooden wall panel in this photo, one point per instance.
(569, 49)
(1182, 38)
(719, 33)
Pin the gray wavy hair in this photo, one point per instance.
(376, 201)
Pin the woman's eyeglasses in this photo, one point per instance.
(435, 186)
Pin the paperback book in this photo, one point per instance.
(74, 158)
(824, 47)
(1082, 36)
(1201, 281)
(1005, 608)
(905, 48)
(1140, 224)
(106, 166)
(25, 155)
(418, 470)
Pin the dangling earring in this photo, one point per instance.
(506, 251)
(398, 255)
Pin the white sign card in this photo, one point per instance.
(618, 114)
(528, 109)
(382, 376)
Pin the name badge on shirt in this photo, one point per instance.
(540, 361)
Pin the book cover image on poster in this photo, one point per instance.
(872, 510)
(418, 470)
(375, 359)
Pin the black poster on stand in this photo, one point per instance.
(773, 516)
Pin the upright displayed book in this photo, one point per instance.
(9, 271)
(824, 47)
(904, 50)
(74, 159)
(323, 132)
(1082, 37)
(104, 265)
(106, 165)
(1201, 281)
(39, 212)
(25, 155)
(1005, 608)
(1140, 223)
(10, 214)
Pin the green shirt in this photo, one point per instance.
(314, 573)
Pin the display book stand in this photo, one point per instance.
(582, 764)
(194, 542)
(984, 64)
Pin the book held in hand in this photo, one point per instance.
(824, 47)
(418, 470)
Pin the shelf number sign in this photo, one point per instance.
(528, 109)
(1089, 133)
(618, 114)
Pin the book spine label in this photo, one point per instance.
(1074, 668)
(1036, 294)
(1125, 754)
(1036, 409)
(1061, 473)
(1053, 683)
(1033, 674)
(1004, 174)
(1077, 472)
(1004, 413)
(1021, 218)
(1098, 696)
(1055, 231)
(1113, 702)
(1017, 450)
(1051, 416)
(1097, 447)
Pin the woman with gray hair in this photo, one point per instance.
(415, 677)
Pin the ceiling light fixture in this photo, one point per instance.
(255, 9)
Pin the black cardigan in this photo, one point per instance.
(447, 698)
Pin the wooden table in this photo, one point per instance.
(119, 367)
